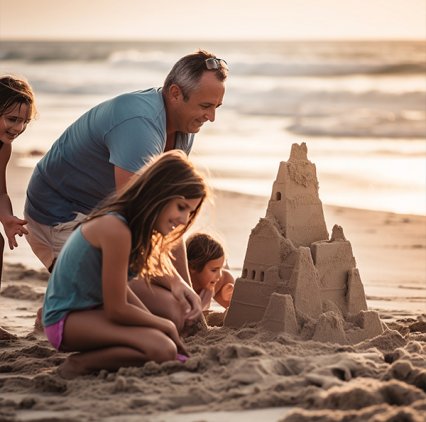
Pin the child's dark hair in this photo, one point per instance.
(168, 176)
(14, 90)
(202, 248)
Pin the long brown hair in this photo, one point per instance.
(168, 176)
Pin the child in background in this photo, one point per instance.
(206, 259)
(89, 307)
(17, 108)
(16, 111)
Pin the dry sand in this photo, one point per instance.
(244, 374)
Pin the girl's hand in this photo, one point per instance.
(226, 292)
(188, 299)
(225, 289)
(14, 226)
(169, 328)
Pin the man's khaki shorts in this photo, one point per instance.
(47, 241)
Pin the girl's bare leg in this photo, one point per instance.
(105, 345)
(111, 359)
(159, 301)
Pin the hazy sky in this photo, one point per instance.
(214, 19)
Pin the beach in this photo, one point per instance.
(246, 373)
(359, 106)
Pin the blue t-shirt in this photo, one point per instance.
(76, 279)
(78, 171)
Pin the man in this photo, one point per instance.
(102, 149)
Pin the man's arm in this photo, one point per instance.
(121, 177)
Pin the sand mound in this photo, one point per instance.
(229, 369)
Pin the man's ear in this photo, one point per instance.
(175, 92)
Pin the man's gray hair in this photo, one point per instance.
(187, 72)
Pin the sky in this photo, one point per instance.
(213, 20)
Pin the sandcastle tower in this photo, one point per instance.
(295, 279)
(295, 203)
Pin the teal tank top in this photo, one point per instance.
(76, 279)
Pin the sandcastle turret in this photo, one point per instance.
(293, 274)
(295, 202)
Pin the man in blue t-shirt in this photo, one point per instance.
(102, 149)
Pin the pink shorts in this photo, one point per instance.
(55, 332)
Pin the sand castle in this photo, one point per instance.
(295, 279)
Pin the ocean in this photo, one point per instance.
(359, 106)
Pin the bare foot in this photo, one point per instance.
(5, 335)
(38, 323)
(71, 368)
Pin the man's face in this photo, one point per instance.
(201, 105)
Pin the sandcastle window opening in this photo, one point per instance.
(278, 196)
(253, 274)
(245, 273)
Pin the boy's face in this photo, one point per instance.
(210, 274)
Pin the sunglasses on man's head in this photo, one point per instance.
(213, 63)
